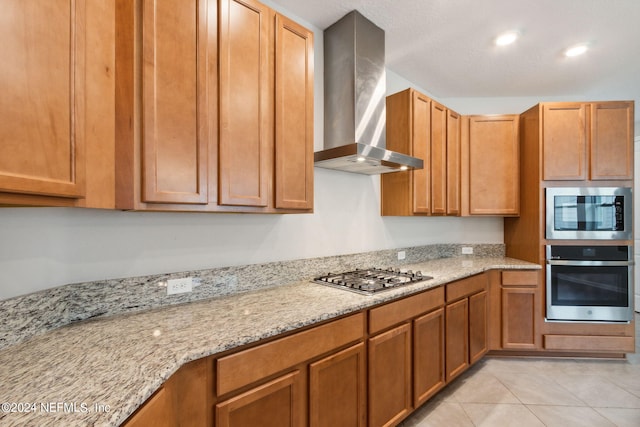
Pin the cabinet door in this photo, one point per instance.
(519, 318)
(438, 159)
(478, 323)
(456, 338)
(421, 138)
(390, 376)
(174, 92)
(564, 141)
(337, 389)
(43, 97)
(494, 165)
(157, 411)
(453, 163)
(294, 115)
(428, 356)
(246, 103)
(611, 140)
(278, 403)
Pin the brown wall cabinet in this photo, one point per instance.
(408, 131)
(454, 174)
(57, 104)
(423, 128)
(587, 141)
(491, 165)
(213, 116)
(438, 159)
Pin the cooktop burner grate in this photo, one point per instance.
(371, 280)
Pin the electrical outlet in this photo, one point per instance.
(179, 286)
(401, 255)
(467, 250)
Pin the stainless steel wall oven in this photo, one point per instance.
(589, 283)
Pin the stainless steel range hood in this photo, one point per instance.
(354, 101)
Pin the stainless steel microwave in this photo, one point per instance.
(589, 213)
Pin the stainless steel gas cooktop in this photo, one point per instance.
(371, 280)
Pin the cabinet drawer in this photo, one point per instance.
(589, 343)
(399, 311)
(253, 364)
(520, 278)
(466, 287)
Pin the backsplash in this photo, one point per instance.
(36, 313)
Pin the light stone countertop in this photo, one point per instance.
(67, 377)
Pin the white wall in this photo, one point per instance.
(46, 247)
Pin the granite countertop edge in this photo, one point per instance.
(118, 362)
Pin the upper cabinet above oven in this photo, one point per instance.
(587, 141)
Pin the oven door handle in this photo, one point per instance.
(590, 263)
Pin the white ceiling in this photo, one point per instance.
(446, 46)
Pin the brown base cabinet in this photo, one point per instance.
(390, 376)
(520, 310)
(181, 401)
(406, 361)
(372, 368)
(478, 321)
(157, 411)
(466, 319)
(428, 356)
(275, 404)
(337, 389)
(515, 314)
(457, 338)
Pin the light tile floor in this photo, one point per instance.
(504, 392)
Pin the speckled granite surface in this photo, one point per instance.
(37, 313)
(118, 362)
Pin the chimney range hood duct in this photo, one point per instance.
(354, 101)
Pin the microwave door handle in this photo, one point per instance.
(585, 212)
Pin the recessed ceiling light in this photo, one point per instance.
(576, 50)
(506, 38)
